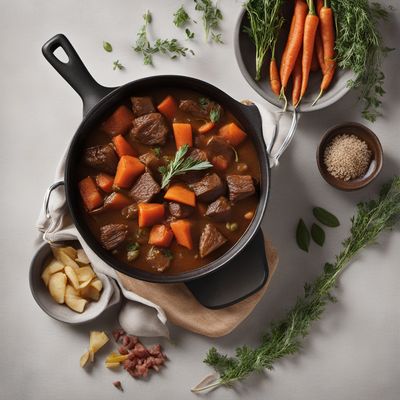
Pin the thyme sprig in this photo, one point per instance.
(360, 47)
(170, 47)
(211, 17)
(284, 337)
(181, 17)
(265, 24)
(180, 165)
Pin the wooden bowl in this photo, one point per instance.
(362, 132)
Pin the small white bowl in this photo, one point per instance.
(109, 297)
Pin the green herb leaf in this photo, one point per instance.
(180, 165)
(157, 151)
(284, 337)
(302, 236)
(216, 38)
(325, 217)
(181, 17)
(215, 114)
(211, 15)
(189, 33)
(117, 65)
(107, 47)
(318, 234)
(203, 101)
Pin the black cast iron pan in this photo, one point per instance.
(243, 269)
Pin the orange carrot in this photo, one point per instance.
(105, 182)
(116, 201)
(274, 78)
(183, 134)
(320, 4)
(206, 127)
(310, 30)
(168, 107)
(328, 43)
(181, 194)
(119, 122)
(150, 214)
(161, 236)
(122, 147)
(314, 61)
(90, 195)
(220, 162)
(319, 50)
(128, 169)
(232, 134)
(296, 76)
(293, 44)
(182, 232)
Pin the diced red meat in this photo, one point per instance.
(150, 129)
(130, 212)
(142, 106)
(219, 210)
(102, 157)
(208, 188)
(240, 187)
(158, 258)
(179, 210)
(211, 239)
(112, 235)
(145, 188)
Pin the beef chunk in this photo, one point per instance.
(142, 106)
(211, 239)
(130, 212)
(145, 188)
(198, 155)
(112, 235)
(200, 111)
(150, 129)
(179, 210)
(219, 210)
(209, 188)
(194, 176)
(217, 146)
(102, 158)
(160, 259)
(240, 187)
(151, 161)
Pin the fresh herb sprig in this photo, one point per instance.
(265, 24)
(211, 17)
(371, 219)
(117, 65)
(181, 17)
(170, 47)
(360, 48)
(180, 165)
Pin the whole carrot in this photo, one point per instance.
(274, 78)
(319, 50)
(293, 44)
(310, 30)
(328, 43)
(314, 62)
(296, 77)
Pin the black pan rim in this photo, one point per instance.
(102, 107)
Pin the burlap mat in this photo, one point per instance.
(183, 310)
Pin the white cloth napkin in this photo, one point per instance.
(138, 316)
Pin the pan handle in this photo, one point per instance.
(74, 72)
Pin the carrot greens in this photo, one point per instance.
(284, 338)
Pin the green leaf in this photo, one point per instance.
(325, 217)
(318, 234)
(189, 33)
(117, 65)
(302, 236)
(181, 17)
(107, 47)
(215, 115)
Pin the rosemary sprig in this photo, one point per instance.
(265, 24)
(283, 338)
(170, 47)
(211, 17)
(180, 165)
(360, 47)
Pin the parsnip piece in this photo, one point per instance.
(52, 267)
(112, 365)
(90, 292)
(84, 359)
(73, 300)
(70, 272)
(97, 340)
(81, 257)
(97, 284)
(63, 257)
(85, 273)
(57, 286)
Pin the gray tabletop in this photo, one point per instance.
(352, 353)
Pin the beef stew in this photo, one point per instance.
(204, 229)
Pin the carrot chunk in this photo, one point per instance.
(232, 134)
(182, 232)
(116, 201)
(181, 194)
(161, 235)
(90, 195)
(122, 147)
(128, 169)
(183, 134)
(206, 127)
(105, 182)
(150, 214)
(168, 107)
(119, 121)
(220, 162)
